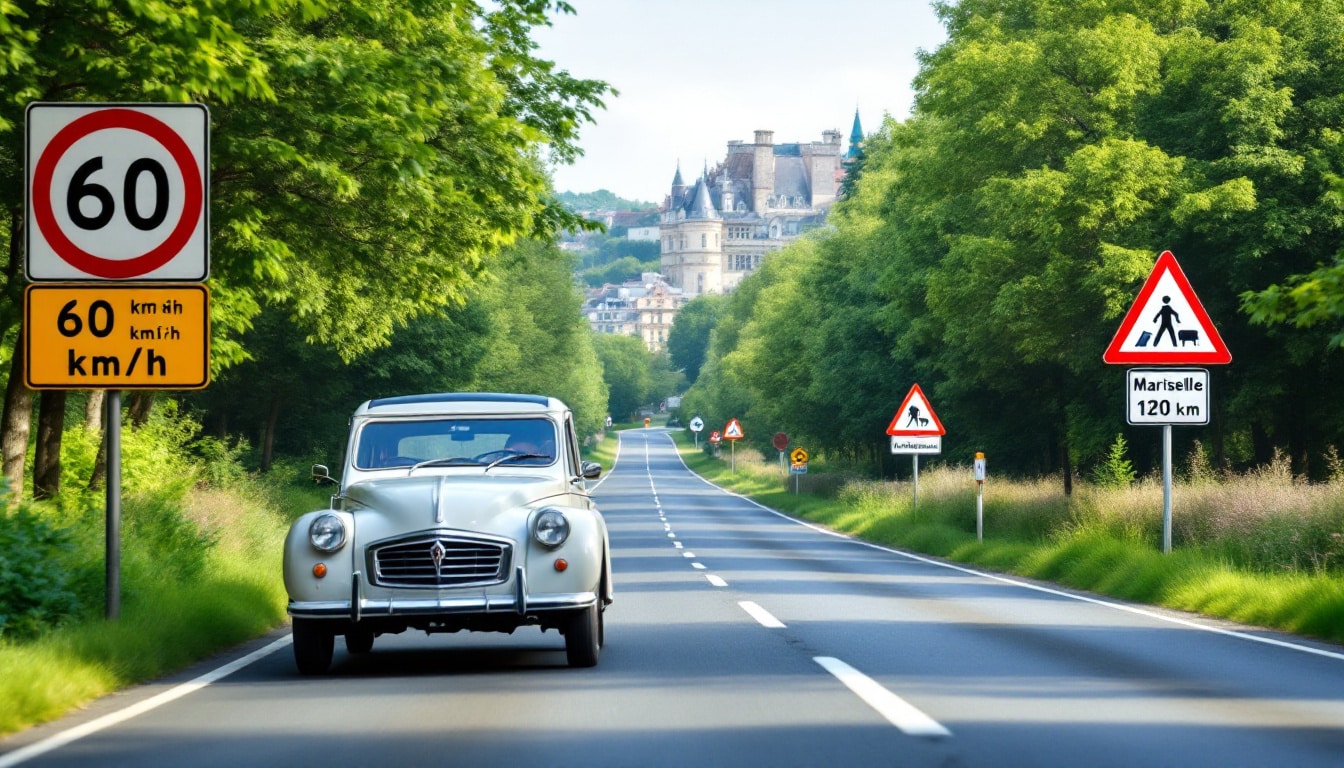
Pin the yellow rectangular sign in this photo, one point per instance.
(117, 336)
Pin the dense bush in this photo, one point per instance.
(34, 574)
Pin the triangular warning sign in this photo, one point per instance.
(733, 431)
(915, 417)
(1167, 325)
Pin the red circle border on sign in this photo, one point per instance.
(81, 259)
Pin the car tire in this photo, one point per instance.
(582, 637)
(358, 641)
(313, 646)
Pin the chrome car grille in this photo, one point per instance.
(439, 560)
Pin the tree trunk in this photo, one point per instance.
(16, 422)
(93, 410)
(268, 440)
(47, 456)
(141, 404)
(99, 474)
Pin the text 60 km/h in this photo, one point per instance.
(1167, 395)
(117, 336)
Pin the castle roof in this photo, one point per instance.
(855, 136)
(701, 206)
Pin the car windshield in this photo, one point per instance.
(449, 442)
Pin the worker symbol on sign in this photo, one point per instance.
(915, 419)
(1165, 316)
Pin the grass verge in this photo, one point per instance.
(1263, 549)
(167, 621)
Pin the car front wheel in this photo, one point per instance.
(313, 646)
(582, 637)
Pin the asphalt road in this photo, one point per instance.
(742, 638)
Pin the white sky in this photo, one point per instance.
(693, 74)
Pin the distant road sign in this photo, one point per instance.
(697, 424)
(1167, 324)
(117, 192)
(780, 441)
(915, 417)
(733, 430)
(799, 455)
(117, 336)
(715, 437)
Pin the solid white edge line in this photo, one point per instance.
(762, 616)
(716, 580)
(107, 721)
(1034, 587)
(896, 710)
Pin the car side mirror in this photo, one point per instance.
(591, 470)
(322, 475)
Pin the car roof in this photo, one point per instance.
(461, 403)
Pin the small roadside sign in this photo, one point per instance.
(979, 467)
(116, 336)
(715, 437)
(1167, 324)
(780, 441)
(799, 455)
(1167, 396)
(915, 417)
(697, 424)
(917, 444)
(733, 430)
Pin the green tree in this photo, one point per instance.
(626, 371)
(688, 341)
(369, 158)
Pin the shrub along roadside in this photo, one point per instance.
(1229, 559)
(171, 616)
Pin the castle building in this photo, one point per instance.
(761, 197)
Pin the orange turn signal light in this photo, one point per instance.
(320, 570)
(561, 564)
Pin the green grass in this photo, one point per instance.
(1264, 548)
(167, 622)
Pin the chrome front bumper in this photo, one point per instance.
(520, 603)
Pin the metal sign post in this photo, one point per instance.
(979, 470)
(1166, 489)
(915, 459)
(112, 545)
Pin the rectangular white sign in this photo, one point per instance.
(922, 444)
(1167, 395)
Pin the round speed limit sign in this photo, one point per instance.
(117, 192)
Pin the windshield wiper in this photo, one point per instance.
(513, 456)
(443, 462)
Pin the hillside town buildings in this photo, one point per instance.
(715, 232)
(643, 308)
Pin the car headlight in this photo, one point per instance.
(327, 532)
(551, 528)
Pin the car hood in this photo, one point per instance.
(413, 503)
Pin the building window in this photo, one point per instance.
(703, 240)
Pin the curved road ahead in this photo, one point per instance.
(742, 638)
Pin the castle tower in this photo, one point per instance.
(762, 170)
(855, 138)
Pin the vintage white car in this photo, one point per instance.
(455, 511)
